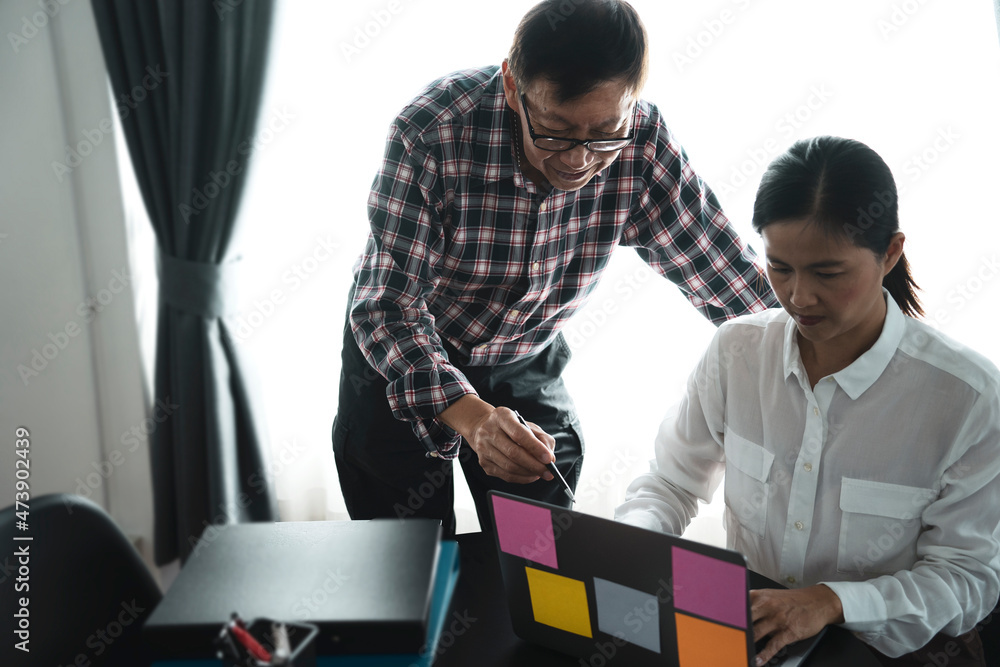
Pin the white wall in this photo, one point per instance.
(68, 373)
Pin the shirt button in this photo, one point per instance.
(808, 467)
(790, 579)
(816, 411)
(534, 266)
(542, 207)
(515, 313)
(799, 525)
(482, 347)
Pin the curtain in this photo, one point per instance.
(187, 77)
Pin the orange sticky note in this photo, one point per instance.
(559, 601)
(701, 643)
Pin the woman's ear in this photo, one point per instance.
(893, 252)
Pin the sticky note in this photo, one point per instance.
(525, 531)
(709, 587)
(701, 643)
(559, 602)
(628, 613)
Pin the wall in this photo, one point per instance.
(70, 368)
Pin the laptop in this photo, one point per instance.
(613, 594)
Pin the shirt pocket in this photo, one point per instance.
(748, 469)
(879, 526)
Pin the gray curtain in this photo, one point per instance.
(187, 77)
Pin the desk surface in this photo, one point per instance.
(480, 633)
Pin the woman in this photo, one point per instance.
(861, 448)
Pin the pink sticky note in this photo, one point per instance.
(710, 588)
(525, 531)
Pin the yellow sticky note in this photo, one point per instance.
(559, 601)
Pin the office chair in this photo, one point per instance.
(88, 591)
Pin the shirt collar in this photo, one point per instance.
(856, 378)
(493, 159)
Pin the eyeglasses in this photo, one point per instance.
(558, 144)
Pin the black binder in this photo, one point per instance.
(367, 585)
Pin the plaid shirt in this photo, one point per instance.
(463, 247)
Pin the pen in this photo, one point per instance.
(238, 630)
(282, 648)
(551, 465)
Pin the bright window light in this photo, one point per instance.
(737, 80)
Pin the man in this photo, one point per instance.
(502, 194)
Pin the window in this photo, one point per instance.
(738, 81)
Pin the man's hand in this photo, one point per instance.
(790, 615)
(505, 447)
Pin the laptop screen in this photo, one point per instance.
(611, 593)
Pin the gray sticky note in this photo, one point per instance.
(628, 613)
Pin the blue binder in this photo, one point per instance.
(444, 586)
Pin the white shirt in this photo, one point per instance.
(882, 482)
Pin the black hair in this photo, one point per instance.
(578, 45)
(845, 188)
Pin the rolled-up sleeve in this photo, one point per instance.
(682, 233)
(389, 317)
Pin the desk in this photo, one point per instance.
(483, 635)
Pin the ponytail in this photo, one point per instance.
(902, 288)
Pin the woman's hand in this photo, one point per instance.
(790, 615)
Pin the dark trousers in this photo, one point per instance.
(384, 469)
(963, 651)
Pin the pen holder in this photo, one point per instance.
(301, 639)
